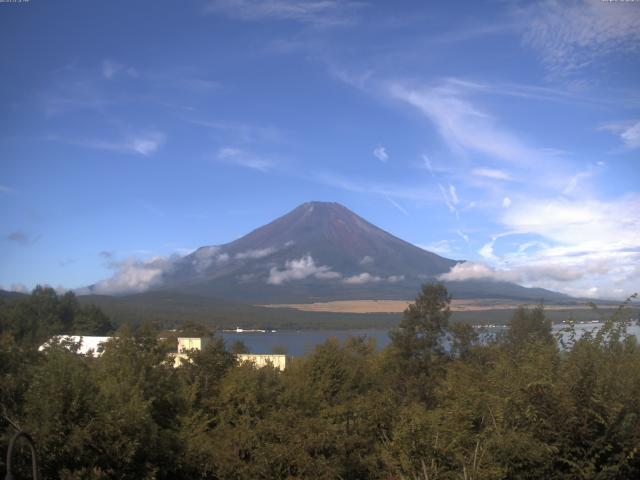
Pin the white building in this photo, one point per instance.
(87, 344)
(185, 345)
(94, 346)
(259, 361)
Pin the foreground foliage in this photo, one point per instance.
(435, 404)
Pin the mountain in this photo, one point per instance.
(318, 252)
(8, 296)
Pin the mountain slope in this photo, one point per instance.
(319, 252)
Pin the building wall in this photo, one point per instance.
(191, 343)
(278, 361)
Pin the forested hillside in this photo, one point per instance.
(518, 407)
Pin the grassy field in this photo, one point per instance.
(398, 306)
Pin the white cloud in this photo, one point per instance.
(366, 277)
(255, 254)
(300, 269)
(380, 153)
(361, 278)
(492, 173)
(521, 274)
(578, 275)
(506, 202)
(580, 247)
(145, 144)
(111, 69)
(367, 260)
(19, 288)
(205, 257)
(246, 159)
(5, 189)
(631, 136)
(476, 271)
(395, 278)
(629, 132)
(465, 126)
(487, 250)
(325, 13)
(134, 276)
(574, 34)
(596, 224)
(441, 247)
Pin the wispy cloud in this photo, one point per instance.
(397, 205)
(244, 158)
(5, 189)
(72, 95)
(595, 224)
(463, 236)
(465, 126)
(442, 247)
(145, 143)
(494, 173)
(255, 254)
(573, 35)
(242, 132)
(381, 153)
(111, 70)
(450, 197)
(324, 13)
(629, 132)
(418, 193)
(426, 163)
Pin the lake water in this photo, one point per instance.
(300, 342)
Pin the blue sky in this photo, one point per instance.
(504, 133)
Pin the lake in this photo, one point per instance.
(300, 342)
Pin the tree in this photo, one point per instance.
(239, 347)
(424, 323)
(530, 325)
(90, 320)
(417, 343)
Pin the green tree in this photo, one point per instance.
(417, 344)
(530, 325)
